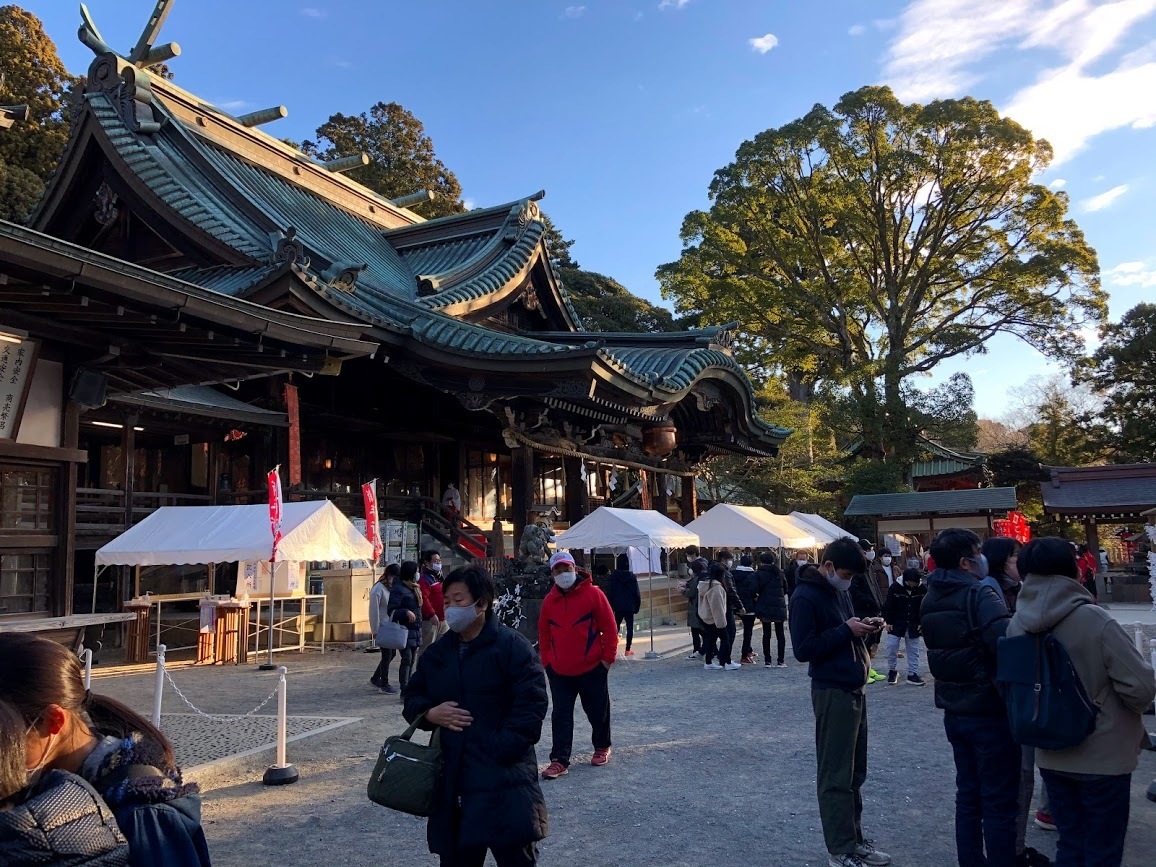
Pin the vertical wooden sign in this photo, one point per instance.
(293, 411)
(17, 361)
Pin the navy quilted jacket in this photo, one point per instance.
(63, 822)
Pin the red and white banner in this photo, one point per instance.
(275, 508)
(372, 527)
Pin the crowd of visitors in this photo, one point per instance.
(85, 780)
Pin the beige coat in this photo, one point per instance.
(1112, 671)
(712, 603)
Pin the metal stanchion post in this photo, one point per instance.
(87, 654)
(159, 686)
(282, 773)
(652, 653)
(1139, 633)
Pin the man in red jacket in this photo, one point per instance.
(578, 641)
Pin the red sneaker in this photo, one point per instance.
(1044, 821)
(601, 757)
(629, 653)
(554, 771)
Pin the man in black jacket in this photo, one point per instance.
(867, 603)
(826, 634)
(962, 622)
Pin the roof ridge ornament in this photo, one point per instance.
(144, 54)
(342, 276)
(288, 249)
(416, 198)
(263, 116)
(345, 164)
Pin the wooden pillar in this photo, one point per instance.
(661, 500)
(645, 479)
(1093, 540)
(521, 488)
(688, 501)
(128, 450)
(66, 552)
(577, 499)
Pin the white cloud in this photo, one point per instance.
(1132, 274)
(234, 104)
(574, 11)
(673, 4)
(1085, 89)
(1058, 184)
(857, 30)
(1105, 199)
(763, 44)
(314, 12)
(469, 204)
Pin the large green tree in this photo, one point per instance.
(866, 244)
(1123, 370)
(401, 155)
(30, 74)
(604, 304)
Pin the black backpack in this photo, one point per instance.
(1046, 703)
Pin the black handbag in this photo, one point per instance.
(406, 773)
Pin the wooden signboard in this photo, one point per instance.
(17, 362)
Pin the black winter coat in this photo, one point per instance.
(734, 603)
(62, 821)
(821, 637)
(902, 609)
(772, 599)
(865, 597)
(624, 595)
(490, 770)
(963, 622)
(747, 586)
(401, 600)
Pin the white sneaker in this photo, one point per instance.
(712, 666)
(869, 855)
(844, 861)
(732, 666)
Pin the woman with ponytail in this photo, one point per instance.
(120, 754)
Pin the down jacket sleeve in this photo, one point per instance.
(522, 727)
(607, 628)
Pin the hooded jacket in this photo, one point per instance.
(771, 603)
(821, 637)
(401, 600)
(962, 622)
(1113, 673)
(901, 610)
(712, 603)
(576, 629)
(62, 821)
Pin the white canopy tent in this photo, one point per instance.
(628, 531)
(823, 530)
(731, 526)
(610, 529)
(180, 535)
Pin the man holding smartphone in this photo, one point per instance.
(826, 634)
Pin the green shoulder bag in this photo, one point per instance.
(406, 773)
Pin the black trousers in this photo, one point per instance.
(720, 640)
(748, 631)
(513, 856)
(405, 667)
(780, 635)
(619, 616)
(593, 688)
(698, 637)
(381, 675)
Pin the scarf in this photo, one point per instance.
(107, 767)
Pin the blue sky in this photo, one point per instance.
(623, 109)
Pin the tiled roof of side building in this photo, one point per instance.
(227, 279)
(965, 502)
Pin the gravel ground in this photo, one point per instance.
(708, 768)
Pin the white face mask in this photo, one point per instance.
(565, 580)
(838, 583)
(728, 563)
(870, 555)
(459, 618)
(886, 560)
(436, 568)
(34, 773)
(801, 561)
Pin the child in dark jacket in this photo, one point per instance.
(901, 611)
(56, 818)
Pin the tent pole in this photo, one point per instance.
(95, 577)
(651, 654)
(268, 665)
(136, 581)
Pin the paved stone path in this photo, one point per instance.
(708, 768)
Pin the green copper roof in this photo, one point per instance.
(942, 467)
(444, 256)
(968, 502)
(226, 279)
